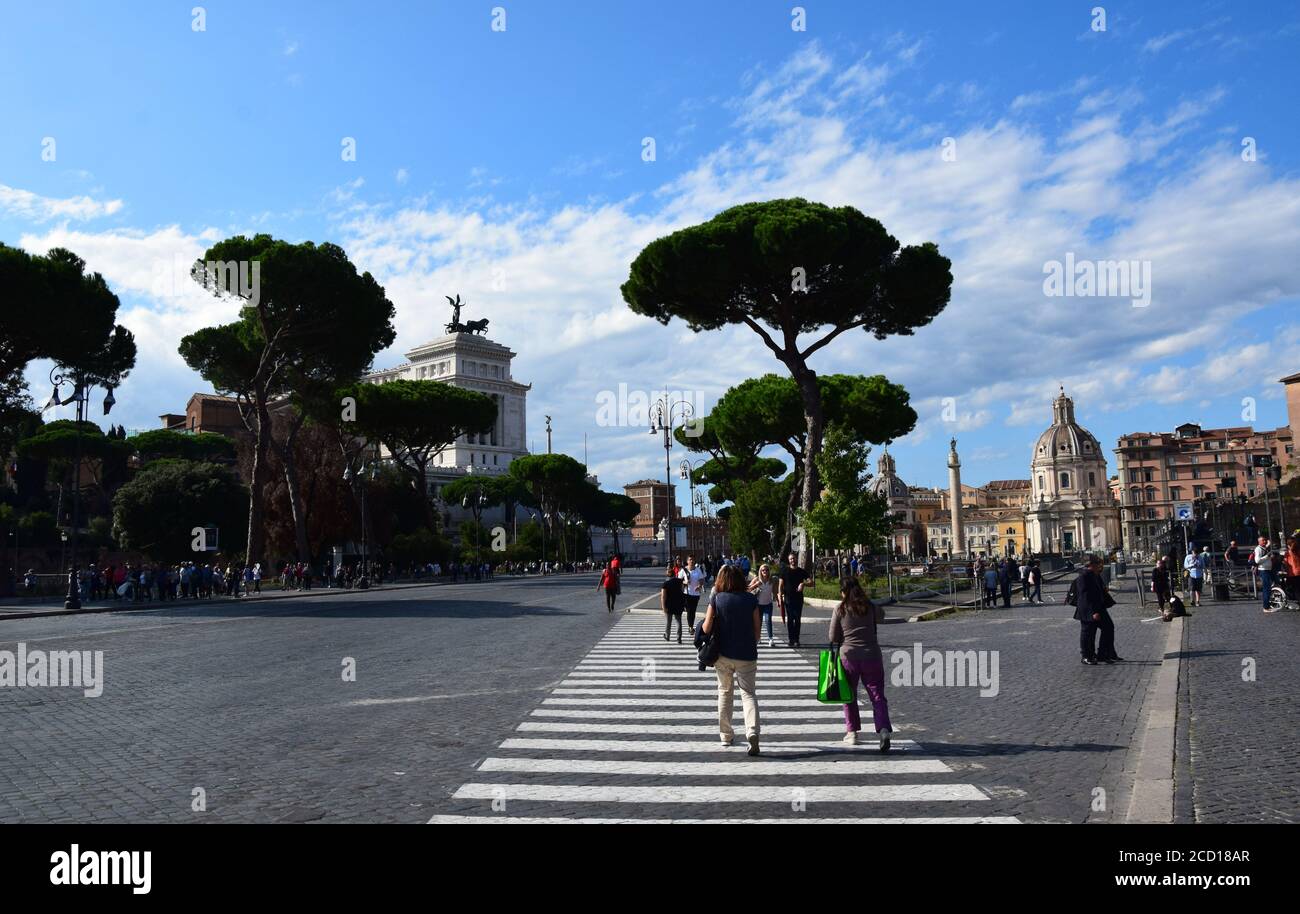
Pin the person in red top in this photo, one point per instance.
(1292, 562)
(609, 581)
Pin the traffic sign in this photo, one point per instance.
(1183, 511)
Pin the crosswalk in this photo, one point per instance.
(631, 735)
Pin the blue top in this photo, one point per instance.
(733, 624)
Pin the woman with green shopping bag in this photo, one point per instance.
(853, 632)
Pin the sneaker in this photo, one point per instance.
(884, 740)
(753, 744)
(771, 642)
(1088, 661)
(851, 737)
(727, 740)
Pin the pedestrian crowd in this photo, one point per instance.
(740, 609)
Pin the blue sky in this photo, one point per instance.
(507, 166)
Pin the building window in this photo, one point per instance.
(1092, 480)
(1173, 472)
(1151, 494)
(1065, 480)
(1041, 487)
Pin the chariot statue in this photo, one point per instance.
(478, 326)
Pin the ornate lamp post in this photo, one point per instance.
(81, 396)
(686, 470)
(366, 470)
(665, 410)
(476, 503)
(706, 517)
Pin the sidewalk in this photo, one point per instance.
(30, 609)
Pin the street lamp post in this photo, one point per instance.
(687, 470)
(371, 470)
(662, 421)
(699, 501)
(81, 396)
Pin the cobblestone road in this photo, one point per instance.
(530, 685)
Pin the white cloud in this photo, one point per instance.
(36, 208)
(1220, 234)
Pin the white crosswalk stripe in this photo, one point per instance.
(631, 735)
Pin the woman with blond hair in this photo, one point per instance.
(763, 589)
(853, 631)
(733, 620)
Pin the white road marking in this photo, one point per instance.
(721, 793)
(702, 715)
(792, 747)
(688, 768)
(558, 820)
(675, 729)
(702, 690)
(808, 685)
(607, 695)
(686, 702)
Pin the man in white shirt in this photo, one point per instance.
(1192, 565)
(1263, 559)
(693, 581)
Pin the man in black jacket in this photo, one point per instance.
(1090, 610)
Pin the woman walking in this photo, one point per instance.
(732, 618)
(762, 587)
(672, 601)
(853, 630)
(609, 581)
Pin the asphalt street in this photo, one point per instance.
(524, 700)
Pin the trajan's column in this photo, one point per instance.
(954, 497)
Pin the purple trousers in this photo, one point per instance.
(869, 669)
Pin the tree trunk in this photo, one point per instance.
(811, 395)
(295, 491)
(262, 446)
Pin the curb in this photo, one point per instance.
(1152, 799)
(234, 601)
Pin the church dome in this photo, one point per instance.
(890, 486)
(886, 481)
(1066, 441)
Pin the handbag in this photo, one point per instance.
(710, 649)
(832, 685)
(1107, 601)
(709, 645)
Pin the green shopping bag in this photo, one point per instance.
(832, 685)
